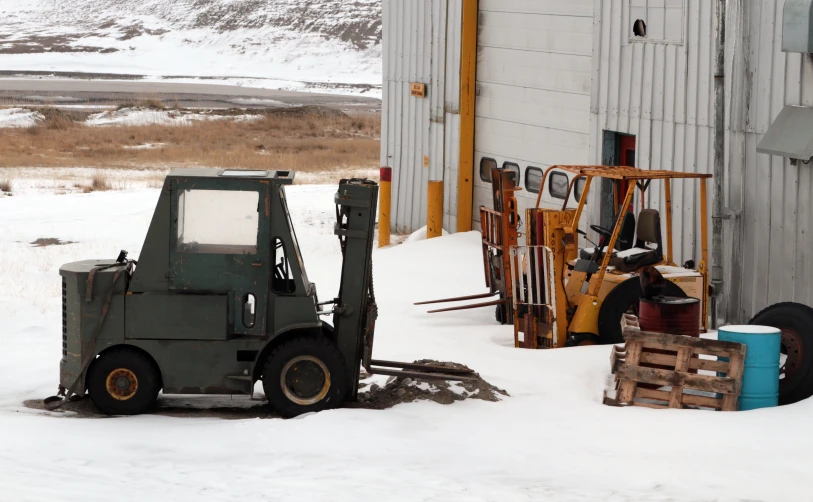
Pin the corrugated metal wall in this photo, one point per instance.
(662, 92)
(772, 238)
(421, 43)
(533, 87)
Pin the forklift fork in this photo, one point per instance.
(499, 232)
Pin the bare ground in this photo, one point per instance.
(306, 139)
(371, 396)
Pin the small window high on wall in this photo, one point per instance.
(656, 21)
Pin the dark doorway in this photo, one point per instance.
(618, 150)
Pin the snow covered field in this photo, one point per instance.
(551, 440)
(276, 44)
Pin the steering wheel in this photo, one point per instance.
(601, 231)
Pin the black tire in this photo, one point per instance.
(123, 381)
(499, 315)
(618, 302)
(796, 322)
(316, 357)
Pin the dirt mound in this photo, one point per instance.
(399, 390)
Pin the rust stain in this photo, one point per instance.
(267, 204)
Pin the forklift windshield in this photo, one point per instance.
(296, 251)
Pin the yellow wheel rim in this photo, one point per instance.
(121, 384)
(305, 380)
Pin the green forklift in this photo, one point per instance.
(219, 300)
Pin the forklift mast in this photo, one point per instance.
(355, 311)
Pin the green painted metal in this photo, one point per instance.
(176, 317)
(186, 308)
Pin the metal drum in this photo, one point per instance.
(760, 378)
(671, 315)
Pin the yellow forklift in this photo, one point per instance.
(558, 295)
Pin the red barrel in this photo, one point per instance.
(670, 315)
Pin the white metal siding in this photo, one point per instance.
(771, 258)
(421, 43)
(663, 94)
(533, 87)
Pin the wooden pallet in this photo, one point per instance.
(626, 365)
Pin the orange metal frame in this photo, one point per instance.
(636, 175)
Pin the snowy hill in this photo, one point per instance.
(312, 41)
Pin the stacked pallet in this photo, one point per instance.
(642, 380)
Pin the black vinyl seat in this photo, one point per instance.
(648, 248)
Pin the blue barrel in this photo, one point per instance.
(760, 378)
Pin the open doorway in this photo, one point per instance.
(618, 150)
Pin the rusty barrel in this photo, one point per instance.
(670, 315)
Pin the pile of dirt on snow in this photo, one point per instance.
(399, 390)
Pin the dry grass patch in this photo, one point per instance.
(98, 183)
(6, 186)
(49, 241)
(303, 139)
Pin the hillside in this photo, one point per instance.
(286, 43)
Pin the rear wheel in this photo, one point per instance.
(622, 300)
(795, 374)
(123, 381)
(304, 375)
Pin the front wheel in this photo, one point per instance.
(305, 375)
(123, 381)
(624, 299)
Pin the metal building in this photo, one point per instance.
(531, 83)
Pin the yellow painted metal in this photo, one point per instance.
(667, 189)
(468, 82)
(553, 232)
(384, 207)
(434, 210)
(628, 173)
(703, 268)
(595, 281)
(586, 318)
(573, 289)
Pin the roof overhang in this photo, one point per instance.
(790, 135)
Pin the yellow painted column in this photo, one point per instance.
(434, 212)
(468, 77)
(384, 206)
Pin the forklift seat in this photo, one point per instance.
(648, 248)
(624, 242)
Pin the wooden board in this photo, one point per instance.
(659, 388)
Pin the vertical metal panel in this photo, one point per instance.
(534, 72)
(415, 49)
(451, 112)
(769, 233)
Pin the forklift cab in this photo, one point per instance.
(231, 236)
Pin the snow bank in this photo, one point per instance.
(551, 440)
(19, 117)
(420, 235)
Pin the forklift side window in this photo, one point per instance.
(283, 281)
(218, 221)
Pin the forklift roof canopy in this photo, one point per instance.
(628, 173)
(281, 177)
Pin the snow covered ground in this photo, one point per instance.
(551, 440)
(280, 44)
